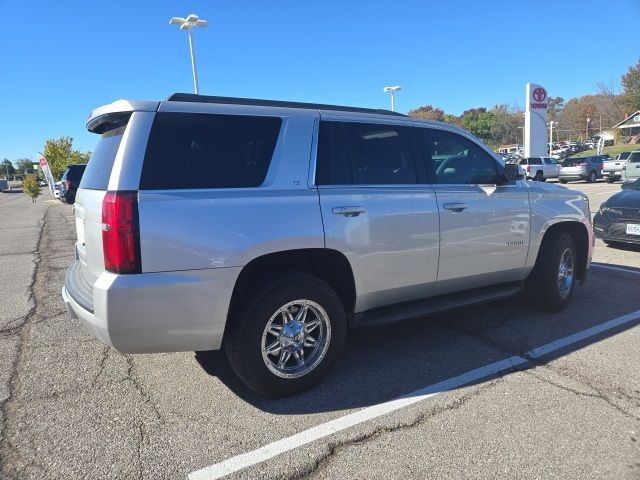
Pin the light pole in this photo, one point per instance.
(586, 132)
(188, 24)
(551, 123)
(392, 91)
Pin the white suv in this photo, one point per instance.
(268, 228)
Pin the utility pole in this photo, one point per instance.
(586, 132)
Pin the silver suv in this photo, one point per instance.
(269, 228)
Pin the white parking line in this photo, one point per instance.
(284, 445)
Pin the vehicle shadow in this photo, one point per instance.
(382, 364)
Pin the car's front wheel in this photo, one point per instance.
(286, 334)
(554, 274)
(592, 177)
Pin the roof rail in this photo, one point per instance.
(192, 97)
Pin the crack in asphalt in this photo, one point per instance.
(332, 449)
(563, 373)
(20, 332)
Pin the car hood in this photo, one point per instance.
(625, 199)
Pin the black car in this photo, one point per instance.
(71, 180)
(618, 219)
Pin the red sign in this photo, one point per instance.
(539, 94)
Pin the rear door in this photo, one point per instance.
(484, 228)
(377, 209)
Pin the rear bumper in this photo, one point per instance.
(157, 312)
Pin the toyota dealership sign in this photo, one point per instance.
(535, 121)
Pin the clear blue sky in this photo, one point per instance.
(59, 60)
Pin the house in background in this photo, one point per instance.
(629, 128)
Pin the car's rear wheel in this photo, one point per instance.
(563, 181)
(592, 177)
(286, 334)
(539, 177)
(554, 275)
(610, 179)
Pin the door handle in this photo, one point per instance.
(455, 207)
(348, 211)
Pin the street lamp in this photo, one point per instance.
(392, 91)
(188, 24)
(551, 124)
(586, 134)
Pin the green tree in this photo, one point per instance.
(630, 96)
(7, 166)
(554, 108)
(60, 154)
(479, 122)
(25, 165)
(31, 187)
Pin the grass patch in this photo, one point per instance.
(612, 151)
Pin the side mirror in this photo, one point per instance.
(512, 172)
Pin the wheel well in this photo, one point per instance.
(580, 237)
(329, 265)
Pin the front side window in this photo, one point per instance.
(455, 159)
(364, 154)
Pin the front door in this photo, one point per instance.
(484, 228)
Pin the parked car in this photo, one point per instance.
(540, 168)
(42, 182)
(583, 168)
(632, 170)
(290, 222)
(57, 190)
(4, 184)
(71, 180)
(618, 219)
(613, 169)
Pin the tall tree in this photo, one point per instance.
(25, 165)
(7, 167)
(60, 154)
(478, 122)
(630, 95)
(554, 108)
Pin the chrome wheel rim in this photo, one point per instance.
(565, 273)
(296, 339)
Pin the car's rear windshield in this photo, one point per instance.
(196, 151)
(74, 173)
(96, 176)
(573, 162)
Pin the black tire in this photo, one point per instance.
(544, 279)
(539, 177)
(610, 180)
(592, 177)
(563, 181)
(243, 340)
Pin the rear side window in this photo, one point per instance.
(96, 176)
(75, 172)
(634, 157)
(188, 151)
(364, 154)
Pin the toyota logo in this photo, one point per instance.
(539, 94)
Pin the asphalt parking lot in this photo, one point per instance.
(498, 391)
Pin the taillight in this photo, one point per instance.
(67, 184)
(527, 168)
(120, 232)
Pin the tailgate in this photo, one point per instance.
(88, 213)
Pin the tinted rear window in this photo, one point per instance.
(188, 150)
(96, 176)
(74, 173)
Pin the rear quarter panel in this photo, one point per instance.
(214, 228)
